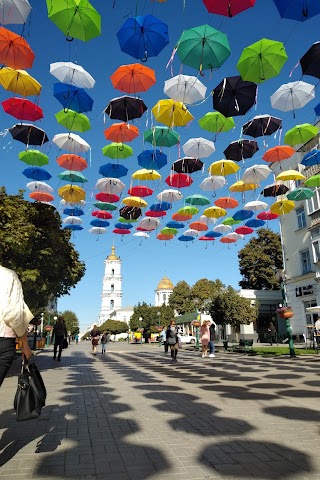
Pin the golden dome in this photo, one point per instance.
(165, 284)
(113, 255)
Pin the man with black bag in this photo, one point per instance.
(59, 333)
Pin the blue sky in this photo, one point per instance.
(143, 265)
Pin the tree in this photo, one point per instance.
(259, 260)
(114, 327)
(229, 308)
(150, 317)
(180, 298)
(71, 321)
(33, 243)
(204, 290)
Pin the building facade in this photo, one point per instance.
(163, 292)
(111, 287)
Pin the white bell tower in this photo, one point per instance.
(111, 287)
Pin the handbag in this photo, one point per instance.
(31, 393)
(65, 343)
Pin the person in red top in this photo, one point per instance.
(205, 338)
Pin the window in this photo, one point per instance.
(301, 217)
(112, 288)
(111, 303)
(305, 261)
(164, 298)
(315, 239)
(313, 203)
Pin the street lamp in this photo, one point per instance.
(196, 323)
(280, 277)
(159, 315)
(140, 320)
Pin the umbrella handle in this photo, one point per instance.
(69, 39)
(144, 59)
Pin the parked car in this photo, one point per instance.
(187, 338)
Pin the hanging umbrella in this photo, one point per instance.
(161, 137)
(300, 10)
(169, 195)
(162, 236)
(188, 210)
(198, 147)
(244, 230)
(292, 96)
(141, 234)
(222, 229)
(144, 174)
(15, 52)
(42, 197)
(216, 122)
(262, 125)
(75, 18)
(212, 183)
(107, 197)
(213, 235)
(22, 109)
(241, 149)
(215, 212)
(72, 74)
(175, 224)
(313, 181)
(267, 215)
(102, 214)
(223, 167)
(135, 202)
(234, 236)
(14, 11)
(290, 175)
(185, 89)
(310, 61)
(120, 231)
(199, 226)
(33, 157)
(72, 220)
(71, 120)
(152, 159)
(142, 37)
(187, 165)
(28, 134)
(113, 170)
(36, 173)
(278, 153)
(234, 96)
(227, 240)
(72, 193)
(171, 113)
(301, 194)
(112, 186)
(311, 158)
(130, 213)
(203, 48)
(149, 224)
(72, 227)
(228, 8)
(105, 206)
(301, 134)
(197, 199)
(226, 202)
(282, 207)
(117, 150)
(19, 81)
(41, 187)
(275, 190)
(121, 132)
(317, 110)
(123, 226)
(156, 214)
(186, 238)
(140, 191)
(241, 186)
(72, 98)
(243, 215)
(190, 233)
(230, 221)
(262, 60)
(179, 217)
(125, 108)
(71, 142)
(97, 230)
(255, 205)
(256, 174)
(133, 78)
(169, 231)
(99, 223)
(70, 161)
(179, 180)
(72, 176)
(73, 211)
(161, 207)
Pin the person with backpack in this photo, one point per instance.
(212, 330)
(104, 340)
(172, 340)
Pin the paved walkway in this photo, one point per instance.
(132, 415)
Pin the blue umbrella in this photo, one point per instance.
(160, 207)
(123, 226)
(185, 238)
(298, 9)
(73, 98)
(152, 159)
(311, 158)
(36, 173)
(254, 223)
(72, 227)
(142, 37)
(74, 212)
(174, 224)
(213, 234)
(99, 223)
(113, 170)
(317, 110)
(243, 214)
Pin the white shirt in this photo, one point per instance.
(317, 324)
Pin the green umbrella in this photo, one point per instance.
(71, 176)
(197, 199)
(262, 60)
(33, 157)
(216, 122)
(169, 231)
(78, 122)
(161, 137)
(300, 134)
(188, 211)
(230, 221)
(313, 181)
(117, 150)
(124, 220)
(203, 48)
(76, 18)
(303, 193)
(105, 206)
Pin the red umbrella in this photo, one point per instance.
(179, 180)
(228, 8)
(140, 191)
(153, 213)
(102, 214)
(15, 52)
(107, 197)
(41, 196)
(73, 162)
(121, 132)
(22, 109)
(121, 231)
(244, 230)
(179, 217)
(199, 226)
(267, 215)
(207, 239)
(141, 229)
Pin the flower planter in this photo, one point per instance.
(196, 324)
(48, 328)
(287, 314)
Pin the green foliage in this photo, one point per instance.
(204, 290)
(259, 260)
(86, 335)
(33, 244)
(113, 326)
(149, 316)
(71, 321)
(180, 299)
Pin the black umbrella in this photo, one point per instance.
(310, 62)
(28, 134)
(262, 125)
(241, 149)
(130, 213)
(274, 190)
(234, 96)
(187, 165)
(125, 108)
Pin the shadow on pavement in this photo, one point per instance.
(294, 413)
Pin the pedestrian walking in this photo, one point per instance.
(212, 330)
(95, 336)
(104, 340)
(163, 338)
(69, 337)
(172, 339)
(59, 333)
(76, 337)
(272, 333)
(14, 320)
(205, 337)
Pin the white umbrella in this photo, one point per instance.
(170, 195)
(149, 223)
(185, 89)
(71, 220)
(71, 73)
(292, 96)
(256, 174)
(97, 230)
(212, 183)
(255, 205)
(198, 147)
(206, 220)
(191, 233)
(14, 11)
(39, 187)
(81, 203)
(141, 234)
(235, 236)
(113, 186)
(222, 229)
(71, 142)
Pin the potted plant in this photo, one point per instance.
(285, 312)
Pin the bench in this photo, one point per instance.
(244, 345)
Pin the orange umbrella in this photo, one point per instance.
(121, 132)
(162, 236)
(199, 226)
(279, 153)
(15, 52)
(41, 196)
(133, 78)
(179, 217)
(226, 202)
(73, 162)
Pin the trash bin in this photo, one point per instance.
(225, 344)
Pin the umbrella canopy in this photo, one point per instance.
(301, 134)
(228, 8)
(135, 202)
(169, 195)
(121, 132)
(130, 213)
(279, 153)
(262, 125)
(216, 122)
(197, 199)
(223, 167)
(75, 18)
(213, 235)
(117, 150)
(72, 74)
(144, 174)
(215, 212)
(171, 113)
(262, 60)
(292, 96)
(149, 224)
(313, 181)
(155, 213)
(120, 231)
(73, 98)
(72, 176)
(255, 205)
(282, 207)
(73, 211)
(241, 186)
(97, 230)
(185, 89)
(297, 10)
(203, 48)
(70, 161)
(180, 217)
(125, 108)
(244, 230)
(275, 190)
(243, 215)
(162, 236)
(310, 61)
(22, 109)
(123, 226)
(152, 159)
(72, 227)
(311, 158)
(198, 147)
(71, 142)
(241, 149)
(72, 220)
(301, 194)
(290, 175)
(111, 186)
(113, 170)
(133, 78)
(267, 215)
(102, 214)
(191, 233)
(107, 197)
(19, 81)
(99, 223)
(256, 174)
(175, 224)
(33, 157)
(140, 191)
(179, 180)
(72, 193)
(14, 12)
(41, 197)
(72, 120)
(234, 96)
(36, 173)
(169, 231)
(222, 229)
(28, 134)
(212, 183)
(105, 206)
(230, 221)
(226, 202)
(15, 52)
(187, 165)
(141, 234)
(39, 187)
(186, 238)
(160, 207)
(161, 136)
(143, 36)
(188, 210)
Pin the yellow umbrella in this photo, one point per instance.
(290, 175)
(243, 187)
(72, 193)
(171, 113)
(281, 207)
(144, 174)
(135, 202)
(223, 167)
(19, 81)
(214, 212)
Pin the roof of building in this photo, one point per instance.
(165, 284)
(113, 255)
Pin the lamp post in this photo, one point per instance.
(159, 317)
(197, 322)
(140, 320)
(280, 277)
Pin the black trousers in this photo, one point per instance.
(7, 350)
(58, 341)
